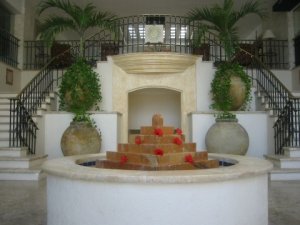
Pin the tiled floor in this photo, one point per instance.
(24, 203)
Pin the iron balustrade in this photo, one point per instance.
(179, 36)
(22, 128)
(8, 48)
(283, 104)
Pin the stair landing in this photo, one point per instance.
(15, 164)
(287, 166)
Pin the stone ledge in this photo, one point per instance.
(154, 63)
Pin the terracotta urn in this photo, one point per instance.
(227, 136)
(237, 92)
(80, 138)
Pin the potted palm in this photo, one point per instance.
(231, 86)
(79, 90)
(222, 20)
(199, 45)
(73, 18)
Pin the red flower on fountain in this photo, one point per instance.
(178, 131)
(159, 151)
(177, 141)
(158, 132)
(138, 140)
(189, 159)
(123, 159)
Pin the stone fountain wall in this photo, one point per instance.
(137, 71)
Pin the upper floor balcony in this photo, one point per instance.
(149, 33)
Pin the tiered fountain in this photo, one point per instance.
(157, 148)
(157, 179)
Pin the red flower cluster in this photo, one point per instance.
(123, 159)
(189, 159)
(178, 131)
(138, 140)
(159, 151)
(158, 131)
(177, 141)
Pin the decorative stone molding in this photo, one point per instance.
(154, 63)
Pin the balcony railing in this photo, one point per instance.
(178, 36)
(8, 48)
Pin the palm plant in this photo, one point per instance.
(75, 18)
(223, 19)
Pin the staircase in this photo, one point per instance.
(287, 166)
(15, 163)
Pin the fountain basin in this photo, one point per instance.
(230, 195)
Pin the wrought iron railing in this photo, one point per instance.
(22, 127)
(8, 48)
(179, 36)
(283, 104)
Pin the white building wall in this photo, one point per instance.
(8, 88)
(143, 104)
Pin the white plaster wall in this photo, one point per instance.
(204, 76)
(296, 79)
(54, 124)
(27, 76)
(256, 124)
(104, 69)
(241, 201)
(285, 76)
(6, 88)
(143, 104)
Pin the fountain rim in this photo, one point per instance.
(68, 167)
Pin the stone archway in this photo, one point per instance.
(144, 103)
(136, 71)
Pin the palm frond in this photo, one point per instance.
(54, 25)
(251, 7)
(58, 4)
(223, 19)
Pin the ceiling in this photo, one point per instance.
(124, 8)
(174, 7)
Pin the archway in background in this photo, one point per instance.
(144, 103)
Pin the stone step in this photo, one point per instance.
(291, 152)
(151, 130)
(4, 118)
(155, 160)
(284, 162)
(4, 100)
(8, 95)
(13, 151)
(150, 148)
(155, 139)
(4, 105)
(22, 162)
(278, 174)
(4, 133)
(4, 126)
(21, 174)
(4, 142)
(4, 111)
